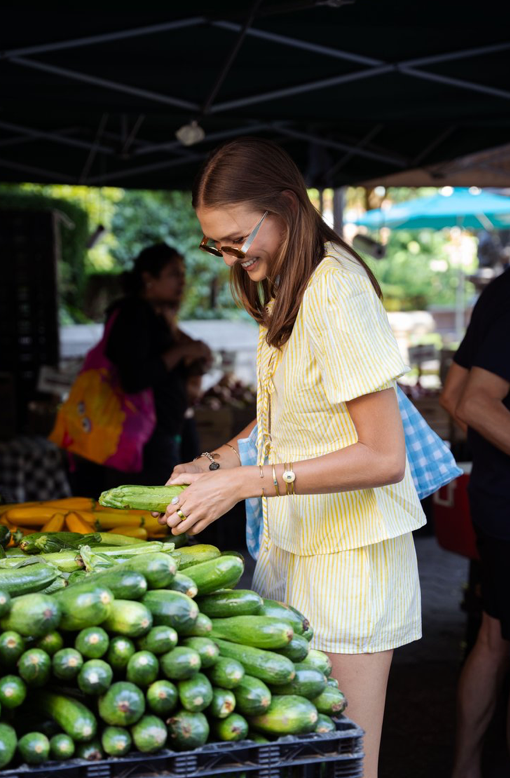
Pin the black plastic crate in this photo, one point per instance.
(333, 755)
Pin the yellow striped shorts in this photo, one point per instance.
(358, 601)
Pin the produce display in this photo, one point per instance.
(109, 647)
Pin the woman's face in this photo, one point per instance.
(231, 225)
(168, 287)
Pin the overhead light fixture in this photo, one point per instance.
(189, 134)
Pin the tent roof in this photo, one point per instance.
(356, 90)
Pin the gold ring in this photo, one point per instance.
(181, 515)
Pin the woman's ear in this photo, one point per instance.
(147, 279)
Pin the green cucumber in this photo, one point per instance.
(180, 663)
(113, 539)
(325, 724)
(279, 610)
(172, 609)
(208, 650)
(222, 704)
(331, 701)
(149, 734)
(266, 665)
(193, 555)
(5, 603)
(34, 667)
(12, 645)
(287, 715)
(91, 751)
(308, 633)
(66, 664)
(252, 696)
(83, 605)
(202, 627)
(333, 682)
(195, 693)
(220, 573)
(308, 682)
(26, 579)
(122, 705)
(257, 737)
(120, 651)
(56, 586)
(319, 660)
(184, 584)
(157, 568)
(124, 584)
(162, 697)
(51, 643)
(142, 668)
(13, 691)
(145, 498)
(233, 728)
(71, 715)
(187, 731)
(226, 673)
(95, 677)
(116, 741)
(129, 618)
(32, 615)
(92, 642)
(230, 602)
(257, 631)
(297, 650)
(8, 742)
(34, 748)
(61, 747)
(158, 640)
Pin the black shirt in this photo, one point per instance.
(137, 340)
(487, 345)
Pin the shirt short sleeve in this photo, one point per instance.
(350, 334)
(493, 354)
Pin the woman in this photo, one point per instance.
(339, 505)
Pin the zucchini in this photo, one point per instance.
(95, 677)
(92, 642)
(230, 602)
(208, 651)
(5, 536)
(220, 573)
(158, 640)
(114, 539)
(13, 691)
(157, 568)
(12, 645)
(222, 704)
(34, 667)
(8, 742)
(257, 631)
(120, 651)
(149, 734)
(195, 693)
(71, 715)
(233, 728)
(279, 610)
(66, 664)
(192, 555)
(331, 702)
(65, 561)
(180, 663)
(308, 682)
(33, 615)
(124, 584)
(226, 673)
(266, 665)
(252, 696)
(5, 603)
(116, 741)
(53, 542)
(319, 660)
(325, 724)
(287, 715)
(122, 705)
(61, 747)
(187, 731)
(297, 650)
(91, 751)
(34, 748)
(145, 498)
(142, 668)
(129, 618)
(26, 579)
(202, 627)
(185, 584)
(83, 605)
(51, 643)
(172, 609)
(162, 697)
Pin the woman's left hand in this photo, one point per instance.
(208, 496)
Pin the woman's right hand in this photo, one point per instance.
(197, 349)
(200, 465)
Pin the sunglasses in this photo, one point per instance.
(239, 253)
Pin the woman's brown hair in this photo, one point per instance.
(260, 174)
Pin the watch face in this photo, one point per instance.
(289, 476)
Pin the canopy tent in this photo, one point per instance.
(354, 89)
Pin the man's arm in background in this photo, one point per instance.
(453, 389)
(481, 407)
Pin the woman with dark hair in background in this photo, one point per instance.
(150, 351)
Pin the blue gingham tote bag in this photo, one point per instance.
(430, 460)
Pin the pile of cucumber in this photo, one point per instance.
(150, 650)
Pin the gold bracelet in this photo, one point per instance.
(275, 481)
(261, 468)
(289, 477)
(263, 493)
(236, 452)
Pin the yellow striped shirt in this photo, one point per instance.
(341, 347)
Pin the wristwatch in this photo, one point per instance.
(289, 478)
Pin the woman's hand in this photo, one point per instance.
(209, 495)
